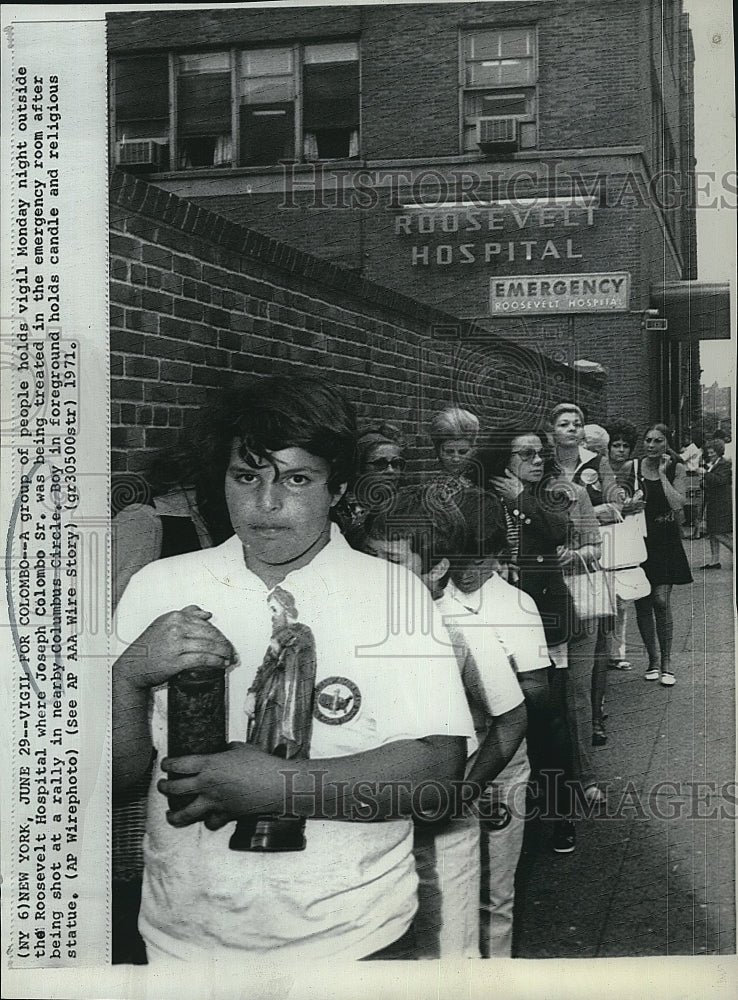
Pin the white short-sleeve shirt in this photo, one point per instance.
(386, 664)
(489, 680)
(509, 613)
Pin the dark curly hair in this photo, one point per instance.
(493, 458)
(269, 415)
(623, 430)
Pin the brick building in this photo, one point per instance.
(198, 303)
(527, 168)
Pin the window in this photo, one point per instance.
(267, 107)
(499, 81)
(247, 108)
(330, 112)
(142, 110)
(204, 111)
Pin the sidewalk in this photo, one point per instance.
(639, 882)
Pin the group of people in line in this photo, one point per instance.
(508, 537)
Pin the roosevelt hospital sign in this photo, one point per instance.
(559, 293)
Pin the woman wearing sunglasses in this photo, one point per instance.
(379, 454)
(380, 465)
(538, 526)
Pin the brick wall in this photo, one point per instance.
(198, 302)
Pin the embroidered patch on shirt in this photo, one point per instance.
(337, 700)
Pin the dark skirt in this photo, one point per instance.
(718, 513)
(667, 561)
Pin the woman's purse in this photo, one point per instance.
(631, 584)
(590, 593)
(623, 544)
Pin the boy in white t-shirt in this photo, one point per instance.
(435, 536)
(487, 609)
(385, 711)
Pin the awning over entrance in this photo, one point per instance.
(696, 310)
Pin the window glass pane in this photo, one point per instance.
(474, 104)
(503, 104)
(516, 42)
(142, 88)
(204, 104)
(338, 52)
(147, 128)
(267, 134)
(205, 151)
(500, 73)
(482, 45)
(483, 74)
(528, 135)
(267, 89)
(266, 62)
(205, 62)
(331, 144)
(507, 43)
(477, 103)
(331, 95)
(516, 71)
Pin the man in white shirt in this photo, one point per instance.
(388, 711)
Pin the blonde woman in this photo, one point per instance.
(454, 434)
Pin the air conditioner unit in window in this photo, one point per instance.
(497, 135)
(142, 154)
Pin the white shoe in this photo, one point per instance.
(668, 679)
(652, 675)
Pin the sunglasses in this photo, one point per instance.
(528, 454)
(382, 464)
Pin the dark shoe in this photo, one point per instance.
(564, 839)
(712, 566)
(599, 737)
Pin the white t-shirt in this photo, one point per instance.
(383, 653)
(509, 613)
(489, 680)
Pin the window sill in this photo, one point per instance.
(201, 173)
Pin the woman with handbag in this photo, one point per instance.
(662, 477)
(548, 527)
(590, 470)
